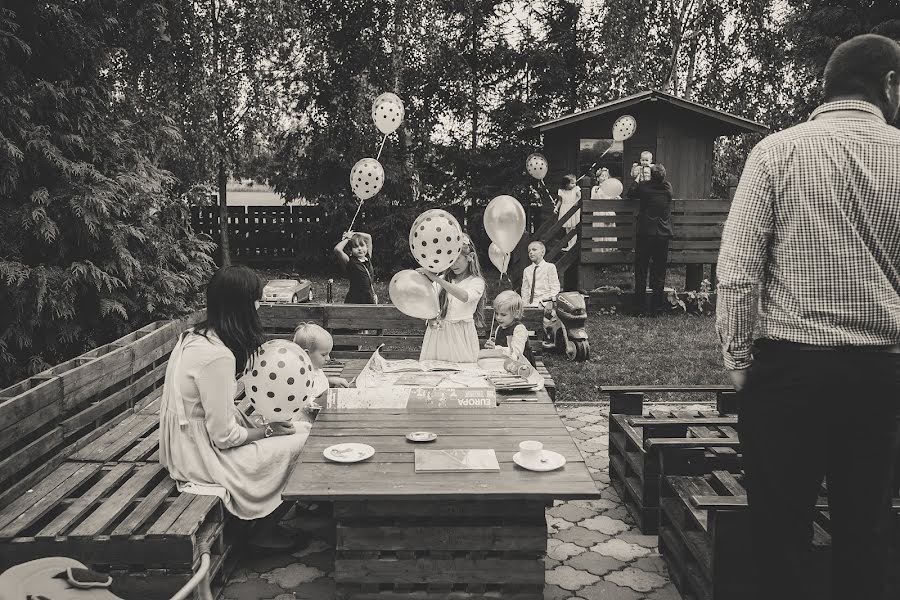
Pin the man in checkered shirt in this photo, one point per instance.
(814, 230)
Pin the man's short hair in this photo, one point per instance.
(657, 173)
(859, 65)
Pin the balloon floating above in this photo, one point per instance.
(536, 166)
(413, 294)
(435, 240)
(624, 128)
(366, 178)
(504, 221)
(499, 258)
(280, 383)
(388, 112)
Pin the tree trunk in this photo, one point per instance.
(410, 172)
(222, 177)
(474, 66)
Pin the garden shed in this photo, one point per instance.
(681, 135)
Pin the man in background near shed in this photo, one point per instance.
(815, 229)
(654, 231)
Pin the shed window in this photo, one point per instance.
(591, 158)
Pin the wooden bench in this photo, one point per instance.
(358, 329)
(80, 473)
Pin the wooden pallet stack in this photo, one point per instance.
(393, 550)
(80, 472)
(704, 536)
(639, 439)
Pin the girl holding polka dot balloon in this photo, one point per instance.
(207, 444)
(359, 267)
(452, 336)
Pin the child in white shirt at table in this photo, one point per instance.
(511, 338)
(318, 343)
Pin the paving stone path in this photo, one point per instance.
(594, 550)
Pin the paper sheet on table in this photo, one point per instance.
(455, 375)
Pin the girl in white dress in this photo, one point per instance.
(207, 444)
(569, 195)
(452, 336)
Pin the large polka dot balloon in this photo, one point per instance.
(624, 128)
(387, 112)
(536, 166)
(435, 240)
(279, 384)
(366, 178)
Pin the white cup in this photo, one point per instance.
(531, 451)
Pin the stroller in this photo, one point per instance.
(61, 578)
(564, 332)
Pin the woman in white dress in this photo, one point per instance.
(452, 336)
(207, 444)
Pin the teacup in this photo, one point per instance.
(531, 451)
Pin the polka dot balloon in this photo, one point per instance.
(435, 240)
(280, 382)
(536, 166)
(387, 112)
(366, 178)
(624, 128)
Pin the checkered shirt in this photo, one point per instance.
(815, 229)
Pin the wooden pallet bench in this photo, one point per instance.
(358, 329)
(639, 440)
(704, 537)
(80, 475)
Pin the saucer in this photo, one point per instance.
(554, 460)
(348, 453)
(421, 436)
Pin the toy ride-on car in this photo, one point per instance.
(288, 290)
(564, 332)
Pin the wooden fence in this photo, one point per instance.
(270, 234)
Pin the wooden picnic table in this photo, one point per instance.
(427, 535)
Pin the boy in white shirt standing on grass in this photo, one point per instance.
(540, 281)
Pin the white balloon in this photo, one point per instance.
(504, 222)
(435, 240)
(366, 178)
(279, 385)
(388, 112)
(413, 294)
(498, 257)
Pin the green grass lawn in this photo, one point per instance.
(625, 350)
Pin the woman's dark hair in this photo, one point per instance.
(657, 173)
(859, 65)
(231, 312)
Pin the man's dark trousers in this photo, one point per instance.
(805, 414)
(651, 253)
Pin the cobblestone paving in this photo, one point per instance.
(594, 550)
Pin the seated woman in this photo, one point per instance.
(207, 444)
(453, 335)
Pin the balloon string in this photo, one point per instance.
(358, 208)
(383, 140)
(552, 198)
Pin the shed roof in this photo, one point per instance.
(732, 124)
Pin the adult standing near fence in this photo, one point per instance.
(651, 244)
(814, 226)
(206, 443)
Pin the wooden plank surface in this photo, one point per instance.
(390, 473)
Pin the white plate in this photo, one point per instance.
(554, 461)
(348, 453)
(421, 436)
